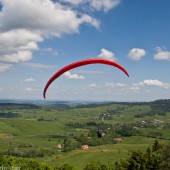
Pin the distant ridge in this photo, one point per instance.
(38, 103)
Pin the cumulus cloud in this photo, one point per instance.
(29, 79)
(156, 83)
(152, 82)
(20, 39)
(162, 54)
(51, 18)
(4, 67)
(106, 54)
(20, 56)
(68, 75)
(136, 53)
(24, 24)
(17, 45)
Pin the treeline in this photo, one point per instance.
(9, 115)
(70, 144)
(151, 113)
(30, 153)
(156, 157)
(160, 107)
(91, 139)
(13, 106)
(116, 130)
(81, 125)
(60, 107)
(9, 163)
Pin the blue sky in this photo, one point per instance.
(39, 37)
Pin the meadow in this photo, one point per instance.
(42, 127)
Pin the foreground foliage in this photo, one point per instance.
(156, 157)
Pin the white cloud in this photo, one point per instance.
(74, 2)
(104, 5)
(50, 51)
(4, 67)
(152, 82)
(24, 24)
(109, 85)
(162, 54)
(30, 89)
(19, 39)
(20, 56)
(51, 18)
(68, 75)
(88, 19)
(136, 53)
(135, 88)
(156, 83)
(17, 45)
(1, 89)
(106, 54)
(120, 84)
(29, 79)
(39, 66)
(112, 85)
(93, 85)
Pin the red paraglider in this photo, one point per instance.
(82, 63)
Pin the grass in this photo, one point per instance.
(27, 129)
(103, 153)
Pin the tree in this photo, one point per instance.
(140, 161)
(93, 166)
(156, 146)
(165, 157)
(70, 144)
(65, 167)
(99, 166)
(45, 167)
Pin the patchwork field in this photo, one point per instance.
(25, 129)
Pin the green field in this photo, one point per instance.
(46, 126)
(104, 153)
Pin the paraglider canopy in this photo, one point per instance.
(82, 63)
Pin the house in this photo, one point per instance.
(16, 149)
(85, 147)
(143, 122)
(59, 146)
(103, 134)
